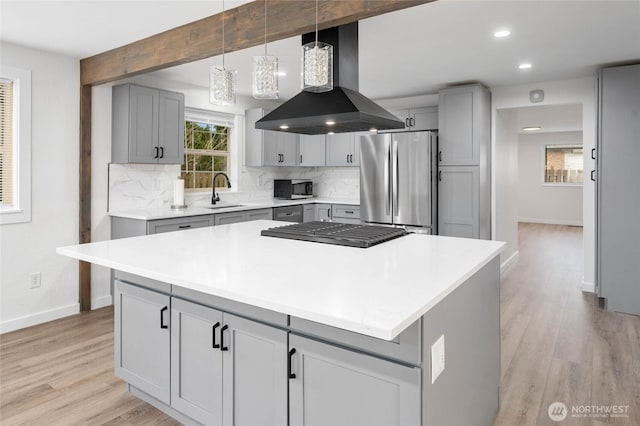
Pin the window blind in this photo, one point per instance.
(209, 117)
(6, 142)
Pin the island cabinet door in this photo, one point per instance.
(196, 361)
(142, 339)
(254, 373)
(329, 385)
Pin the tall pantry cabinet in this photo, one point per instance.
(617, 195)
(464, 176)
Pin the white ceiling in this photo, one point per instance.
(409, 52)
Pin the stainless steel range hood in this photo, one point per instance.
(308, 112)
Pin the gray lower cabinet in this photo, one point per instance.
(308, 212)
(458, 205)
(142, 339)
(170, 225)
(231, 217)
(226, 370)
(344, 213)
(336, 386)
(323, 212)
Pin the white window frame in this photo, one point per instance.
(229, 120)
(544, 163)
(20, 210)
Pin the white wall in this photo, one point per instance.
(30, 247)
(575, 91)
(505, 212)
(545, 203)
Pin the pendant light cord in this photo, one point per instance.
(223, 34)
(265, 28)
(316, 22)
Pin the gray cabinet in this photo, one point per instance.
(323, 212)
(147, 125)
(289, 213)
(268, 148)
(226, 370)
(242, 216)
(142, 339)
(336, 386)
(312, 150)
(458, 205)
(170, 225)
(425, 118)
(345, 213)
(464, 192)
(342, 149)
(254, 368)
(308, 212)
(617, 195)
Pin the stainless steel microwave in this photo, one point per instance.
(291, 189)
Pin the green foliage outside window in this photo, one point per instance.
(206, 153)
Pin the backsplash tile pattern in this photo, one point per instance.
(139, 186)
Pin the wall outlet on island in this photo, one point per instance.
(35, 279)
(437, 358)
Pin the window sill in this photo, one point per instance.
(562, 185)
(10, 215)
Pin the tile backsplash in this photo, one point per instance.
(139, 186)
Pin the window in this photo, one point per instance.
(15, 145)
(207, 143)
(563, 164)
(6, 143)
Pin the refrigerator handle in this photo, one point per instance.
(387, 179)
(395, 180)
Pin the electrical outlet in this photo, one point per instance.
(35, 279)
(437, 358)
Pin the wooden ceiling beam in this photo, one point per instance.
(244, 27)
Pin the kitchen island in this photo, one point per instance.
(220, 325)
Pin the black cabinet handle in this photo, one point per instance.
(411, 122)
(440, 156)
(593, 176)
(184, 226)
(156, 150)
(329, 212)
(162, 152)
(351, 158)
(289, 373)
(162, 311)
(223, 347)
(348, 211)
(406, 122)
(300, 158)
(593, 153)
(214, 345)
(440, 176)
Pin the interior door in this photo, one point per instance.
(411, 178)
(375, 178)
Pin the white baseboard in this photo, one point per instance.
(509, 262)
(39, 318)
(551, 221)
(588, 287)
(101, 302)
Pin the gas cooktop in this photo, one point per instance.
(342, 234)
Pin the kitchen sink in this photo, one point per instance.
(222, 205)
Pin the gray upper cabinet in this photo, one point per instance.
(142, 324)
(147, 125)
(342, 149)
(425, 118)
(312, 150)
(268, 148)
(335, 386)
(464, 123)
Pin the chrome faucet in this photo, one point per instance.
(215, 197)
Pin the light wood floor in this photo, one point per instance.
(556, 346)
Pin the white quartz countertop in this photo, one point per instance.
(378, 291)
(167, 213)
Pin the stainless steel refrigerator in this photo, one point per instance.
(398, 185)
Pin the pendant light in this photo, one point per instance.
(222, 81)
(317, 64)
(265, 70)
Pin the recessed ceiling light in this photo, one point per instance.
(329, 123)
(524, 66)
(532, 128)
(501, 33)
(373, 129)
(331, 133)
(284, 127)
(281, 73)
